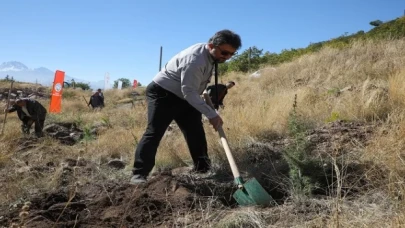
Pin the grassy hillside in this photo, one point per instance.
(362, 82)
(394, 29)
(360, 85)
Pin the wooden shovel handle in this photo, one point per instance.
(224, 141)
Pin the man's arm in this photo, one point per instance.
(13, 108)
(191, 78)
(102, 100)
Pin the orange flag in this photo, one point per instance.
(56, 96)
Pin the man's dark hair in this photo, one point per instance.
(226, 37)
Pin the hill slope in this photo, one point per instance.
(324, 134)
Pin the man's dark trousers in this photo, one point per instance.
(163, 108)
(27, 123)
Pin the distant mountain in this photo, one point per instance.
(44, 70)
(13, 66)
(42, 75)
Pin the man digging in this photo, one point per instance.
(175, 94)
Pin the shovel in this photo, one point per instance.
(87, 103)
(249, 193)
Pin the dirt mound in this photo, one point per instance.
(266, 159)
(178, 199)
(340, 137)
(66, 133)
(162, 202)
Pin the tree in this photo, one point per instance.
(376, 23)
(82, 85)
(125, 83)
(7, 78)
(243, 63)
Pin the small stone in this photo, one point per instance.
(116, 163)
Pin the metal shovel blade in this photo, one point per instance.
(252, 193)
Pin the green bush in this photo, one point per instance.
(125, 82)
(304, 169)
(84, 86)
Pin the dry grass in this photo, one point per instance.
(6, 84)
(363, 70)
(369, 211)
(365, 82)
(361, 83)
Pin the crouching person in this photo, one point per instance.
(97, 100)
(29, 112)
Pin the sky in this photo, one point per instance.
(88, 38)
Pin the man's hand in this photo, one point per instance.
(216, 122)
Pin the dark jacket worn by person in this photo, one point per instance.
(212, 92)
(35, 110)
(32, 112)
(96, 101)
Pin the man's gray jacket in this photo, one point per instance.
(187, 75)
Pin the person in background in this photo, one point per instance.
(175, 94)
(96, 101)
(29, 111)
(222, 91)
